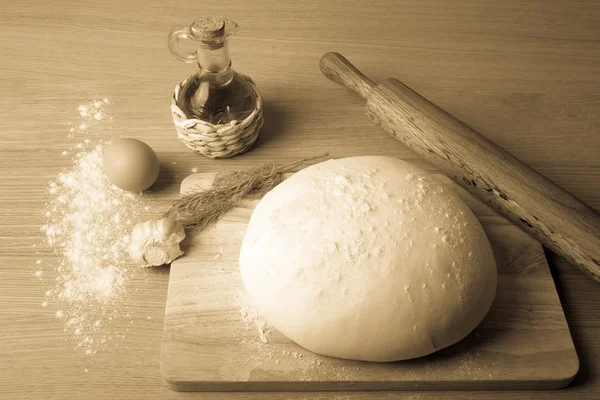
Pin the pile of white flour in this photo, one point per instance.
(88, 221)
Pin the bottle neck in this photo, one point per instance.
(213, 59)
(214, 63)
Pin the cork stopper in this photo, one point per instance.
(208, 27)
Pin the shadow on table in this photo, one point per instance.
(583, 377)
(274, 125)
(166, 179)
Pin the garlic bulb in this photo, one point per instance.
(156, 242)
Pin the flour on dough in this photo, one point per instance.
(368, 258)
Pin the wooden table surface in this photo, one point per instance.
(524, 73)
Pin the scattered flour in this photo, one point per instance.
(91, 265)
(91, 113)
(219, 255)
(257, 334)
(251, 318)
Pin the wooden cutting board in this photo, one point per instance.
(212, 340)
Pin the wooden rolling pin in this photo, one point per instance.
(537, 205)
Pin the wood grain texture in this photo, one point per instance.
(208, 344)
(526, 74)
(338, 69)
(531, 201)
(534, 203)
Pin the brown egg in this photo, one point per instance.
(131, 164)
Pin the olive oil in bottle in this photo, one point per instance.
(215, 93)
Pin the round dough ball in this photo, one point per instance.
(368, 258)
(131, 164)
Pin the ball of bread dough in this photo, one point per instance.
(368, 258)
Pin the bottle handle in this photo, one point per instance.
(174, 38)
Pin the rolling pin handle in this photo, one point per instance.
(337, 68)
